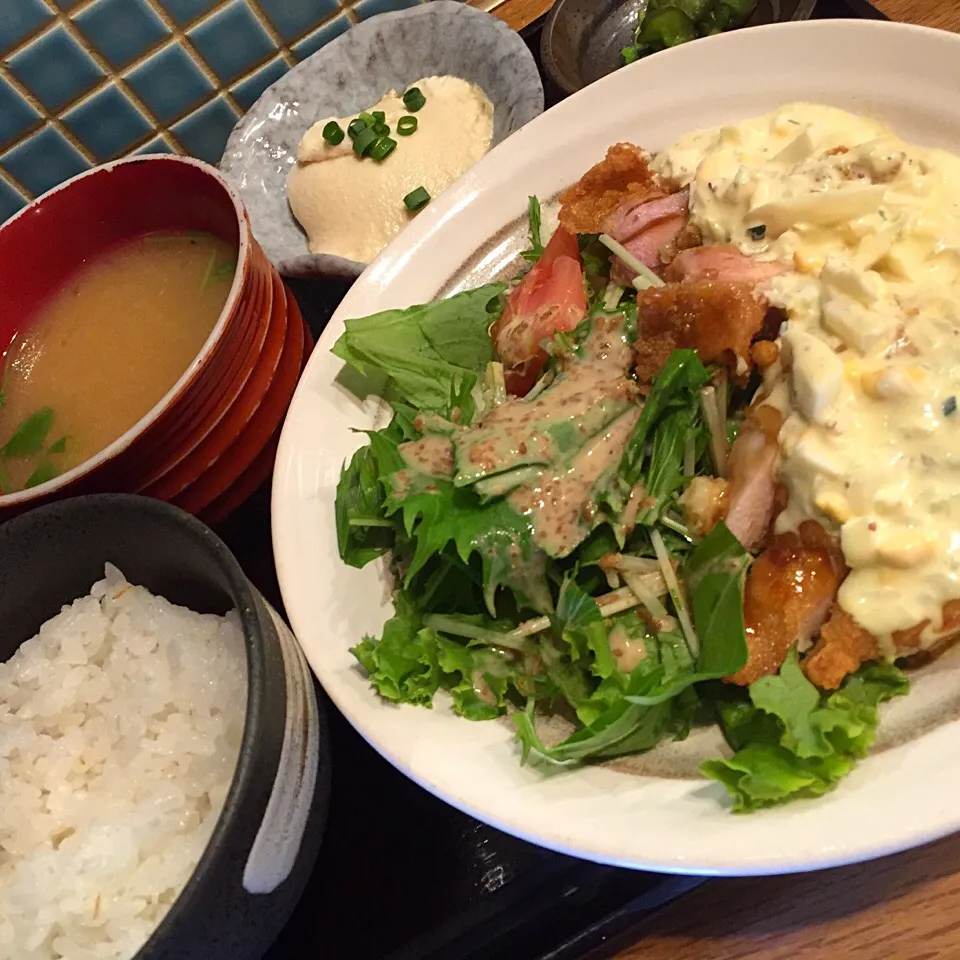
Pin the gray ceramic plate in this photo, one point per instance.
(389, 51)
(582, 39)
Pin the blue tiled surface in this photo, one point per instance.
(44, 160)
(205, 132)
(121, 30)
(55, 68)
(319, 38)
(107, 124)
(90, 80)
(170, 83)
(294, 18)
(186, 11)
(16, 115)
(232, 41)
(10, 201)
(157, 145)
(20, 18)
(247, 91)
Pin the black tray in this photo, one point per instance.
(403, 876)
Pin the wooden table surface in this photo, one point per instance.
(905, 907)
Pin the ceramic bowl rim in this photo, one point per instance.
(21, 498)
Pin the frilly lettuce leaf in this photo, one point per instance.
(403, 664)
(793, 741)
(410, 662)
(478, 679)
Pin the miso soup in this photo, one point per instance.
(105, 349)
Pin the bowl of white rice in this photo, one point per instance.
(163, 760)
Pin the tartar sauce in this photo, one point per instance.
(869, 377)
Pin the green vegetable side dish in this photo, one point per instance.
(582, 602)
(668, 23)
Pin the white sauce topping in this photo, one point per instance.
(871, 350)
(353, 208)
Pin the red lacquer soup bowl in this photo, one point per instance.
(47, 243)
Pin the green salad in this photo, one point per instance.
(543, 564)
(668, 23)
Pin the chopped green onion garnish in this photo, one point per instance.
(368, 118)
(381, 129)
(43, 474)
(30, 436)
(363, 141)
(333, 133)
(406, 126)
(416, 199)
(355, 127)
(413, 99)
(382, 149)
(225, 269)
(208, 273)
(379, 116)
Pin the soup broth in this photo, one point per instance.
(106, 349)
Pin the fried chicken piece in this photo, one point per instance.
(752, 472)
(620, 181)
(844, 645)
(717, 319)
(648, 247)
(749, 496)
(787, 596)
(689, 237)
(721, 262)
(635, 217)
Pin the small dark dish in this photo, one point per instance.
(53, 555)
(582, 39)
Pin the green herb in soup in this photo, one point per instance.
(105, 349)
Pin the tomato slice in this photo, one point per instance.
(549, 299)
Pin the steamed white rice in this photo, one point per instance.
(120, 726)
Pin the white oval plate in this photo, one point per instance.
(903, 795)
